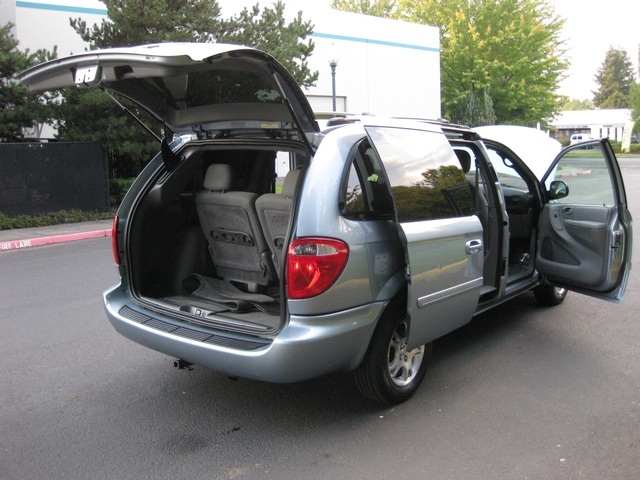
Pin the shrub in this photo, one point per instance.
(617, 147)
(53, 218)
(118, 187)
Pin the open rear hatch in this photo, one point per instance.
(189, 87)
(242, 110)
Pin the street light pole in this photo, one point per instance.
(333, 63)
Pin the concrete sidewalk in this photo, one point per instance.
(17, 239)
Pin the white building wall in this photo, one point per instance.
(45, 23)
(385, 67)
(8, 14)
(599, 123)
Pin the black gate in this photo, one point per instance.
(47, 177)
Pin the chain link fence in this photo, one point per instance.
(40, 178)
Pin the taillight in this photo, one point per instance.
(313, 265)
(114, 240)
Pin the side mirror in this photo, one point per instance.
(558, 189)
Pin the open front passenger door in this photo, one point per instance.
(585, 235)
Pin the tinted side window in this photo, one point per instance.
(366, 194)
(426, 177)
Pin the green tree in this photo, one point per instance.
(376, 8)
(634, 103)
(474, 110)
(511, 47)
(90, 115)
(134, 22)
(614, 79)
(19, 108)
(268, 31)
(575, 104)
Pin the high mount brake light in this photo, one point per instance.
(313, 265)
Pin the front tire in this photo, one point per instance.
(549, 295)
(390, 373)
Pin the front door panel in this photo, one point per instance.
(575, 244)
(584, 241)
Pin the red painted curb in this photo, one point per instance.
(39, 241)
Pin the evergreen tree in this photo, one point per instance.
(269, 32)
(474, 110)
(614, 79)
(19, 108)
(91, 116)
(575, 104)
(634, 104)
(135, 22)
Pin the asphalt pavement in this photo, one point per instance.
(16, 239)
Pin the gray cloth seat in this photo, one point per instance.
(231, 226)
(274, 212)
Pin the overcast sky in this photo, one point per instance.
(590, 29)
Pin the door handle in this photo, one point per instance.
(473, 247)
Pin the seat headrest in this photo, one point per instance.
(465, 160)
(218, 178)
(290, 182)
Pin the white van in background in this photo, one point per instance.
(579, 137)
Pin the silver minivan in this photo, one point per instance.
(258, 246)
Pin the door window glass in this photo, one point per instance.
(586, 173)
(426, 177)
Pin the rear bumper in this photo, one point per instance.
(307, 347)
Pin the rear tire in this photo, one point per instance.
(549, 295)
(389, 372)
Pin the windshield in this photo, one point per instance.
(534, 147)
(507, 175)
